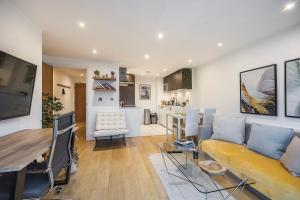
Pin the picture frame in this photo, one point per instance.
(145, 92)
(258, 91)
(292, 88)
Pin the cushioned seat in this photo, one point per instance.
(36, 185)
(272, 179)
(110, 124)
(112, 132)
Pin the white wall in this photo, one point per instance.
(218, 82)
(23, 39)
(68, 98)
(146, 104)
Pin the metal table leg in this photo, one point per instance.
(178, 135)
(167, 126)
(183, 178)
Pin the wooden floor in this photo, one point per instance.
(117, 174)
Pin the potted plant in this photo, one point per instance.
(50, 105)
(97, 73)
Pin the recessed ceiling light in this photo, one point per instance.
(220, 44)
(147, 56)
(190, 61)
(81, 74)
(165, 69)
(157, 74)
(94, 51)
(81, 24)
(160, 36)
(289, 6)
(143, 73)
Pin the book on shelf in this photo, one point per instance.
(99, 86)
(108, 86)
(104, 86)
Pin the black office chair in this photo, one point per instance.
(40, 178)
(38, 183)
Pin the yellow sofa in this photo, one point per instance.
(272, 179)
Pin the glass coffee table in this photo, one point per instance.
(188, 169)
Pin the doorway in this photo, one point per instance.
(69, 86)
(80, 102)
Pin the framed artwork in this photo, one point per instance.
(258, 91)
(292, 88)
(145, 92)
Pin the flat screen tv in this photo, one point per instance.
(16, 86)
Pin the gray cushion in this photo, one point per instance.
(270, 141)
(231, 129)
(291, 159)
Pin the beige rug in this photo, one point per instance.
(178, 189)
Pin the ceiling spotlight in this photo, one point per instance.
(160, 36)
(81, 74)
(289, 6)
(157, 74)
(143, 73)
(220, 44)
(165, 69)
(94, 51)
(190, 61)
(81, 24)
(147, 56)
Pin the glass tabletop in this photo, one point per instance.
(180, 164)
(170, 147)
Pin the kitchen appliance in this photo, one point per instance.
(147, 117)
(153, 118)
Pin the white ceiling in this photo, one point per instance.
(125, 30)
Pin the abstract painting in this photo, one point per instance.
(145, 92)
(258, 91)
(292, 88)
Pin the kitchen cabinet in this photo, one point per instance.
(122, 74)
(126, 88)
(181, 79)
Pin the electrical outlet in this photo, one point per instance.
(111, 98)
(100, 99)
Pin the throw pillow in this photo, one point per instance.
(268, 140)
(290, 159)
(231, 129)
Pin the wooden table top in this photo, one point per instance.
(19, 149)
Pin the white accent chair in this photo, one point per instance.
(192, 122)
(208, 119)
(110, 124)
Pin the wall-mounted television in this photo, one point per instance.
(17, 79)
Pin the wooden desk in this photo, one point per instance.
(19, 149)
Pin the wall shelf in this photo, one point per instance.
(104, 79)
(104, 90)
